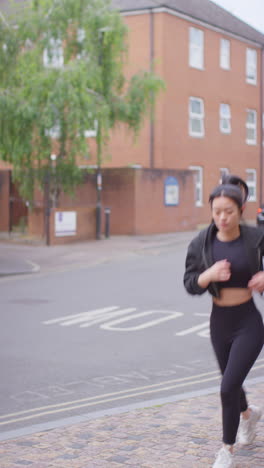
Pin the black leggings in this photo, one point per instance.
(237, 335)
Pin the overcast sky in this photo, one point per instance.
(250, 11)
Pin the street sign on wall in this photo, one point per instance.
(171, 191)
(65, 223)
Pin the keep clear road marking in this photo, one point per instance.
(102, 316)
(110, 397)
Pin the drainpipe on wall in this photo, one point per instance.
(261, 195)
(152, 123)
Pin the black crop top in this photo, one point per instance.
(234, 252)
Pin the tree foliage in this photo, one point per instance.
(62, 72)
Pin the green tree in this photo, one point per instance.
(62, 73)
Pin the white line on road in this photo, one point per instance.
(193, 329)
(107, 400)
(35, 266)
(92, 401)
(167, 382)
(89, 314)
(202, 314)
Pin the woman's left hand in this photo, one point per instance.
(257, 282)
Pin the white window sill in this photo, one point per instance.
(196, 135)
(251, 82)
(197, 68)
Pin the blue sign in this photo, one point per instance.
(171, 191)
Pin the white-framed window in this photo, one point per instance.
(196, 117)
(92, 132)
(53, 54)
(251, 127)
(251, 66)
(54, 132)
(251, 180)
(225, 118)
(225, 54)
(198, 178)
(196, 48)
(223, 171)
(80, 37)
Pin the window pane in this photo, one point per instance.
(196, 125)
(80, 34)
(251, 192)
(196, 36)
(251, 57)
(53, 54)
(198, 176)
(252, 184)
(198, 194)
(251, 117)
(198, 180)
(251, 135)
(196, 58)
(251, 176)
(251, 75)
(225, 110)
(223, 171)
(196, 106)
(251, 65)
(225, 54)
(196, 48)
(225, 124)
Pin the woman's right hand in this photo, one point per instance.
(219, 271)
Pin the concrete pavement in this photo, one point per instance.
(180, 434)
(20, 255)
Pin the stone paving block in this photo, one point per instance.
(184, 434)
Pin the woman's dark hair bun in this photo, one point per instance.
(235, 180)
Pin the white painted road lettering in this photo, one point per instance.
(103, 317)
(167, 316)
(129, 319)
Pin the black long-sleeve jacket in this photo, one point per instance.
(199, 256)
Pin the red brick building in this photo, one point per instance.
(210, 117)
(208, 121)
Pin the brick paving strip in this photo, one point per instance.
(183, 434)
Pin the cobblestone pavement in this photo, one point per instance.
(183, 434)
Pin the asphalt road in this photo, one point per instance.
(89, 339)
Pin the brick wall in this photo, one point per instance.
(152, 216)
(136, 200)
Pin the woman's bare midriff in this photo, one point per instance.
(233, 296)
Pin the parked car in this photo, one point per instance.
(260, 216)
